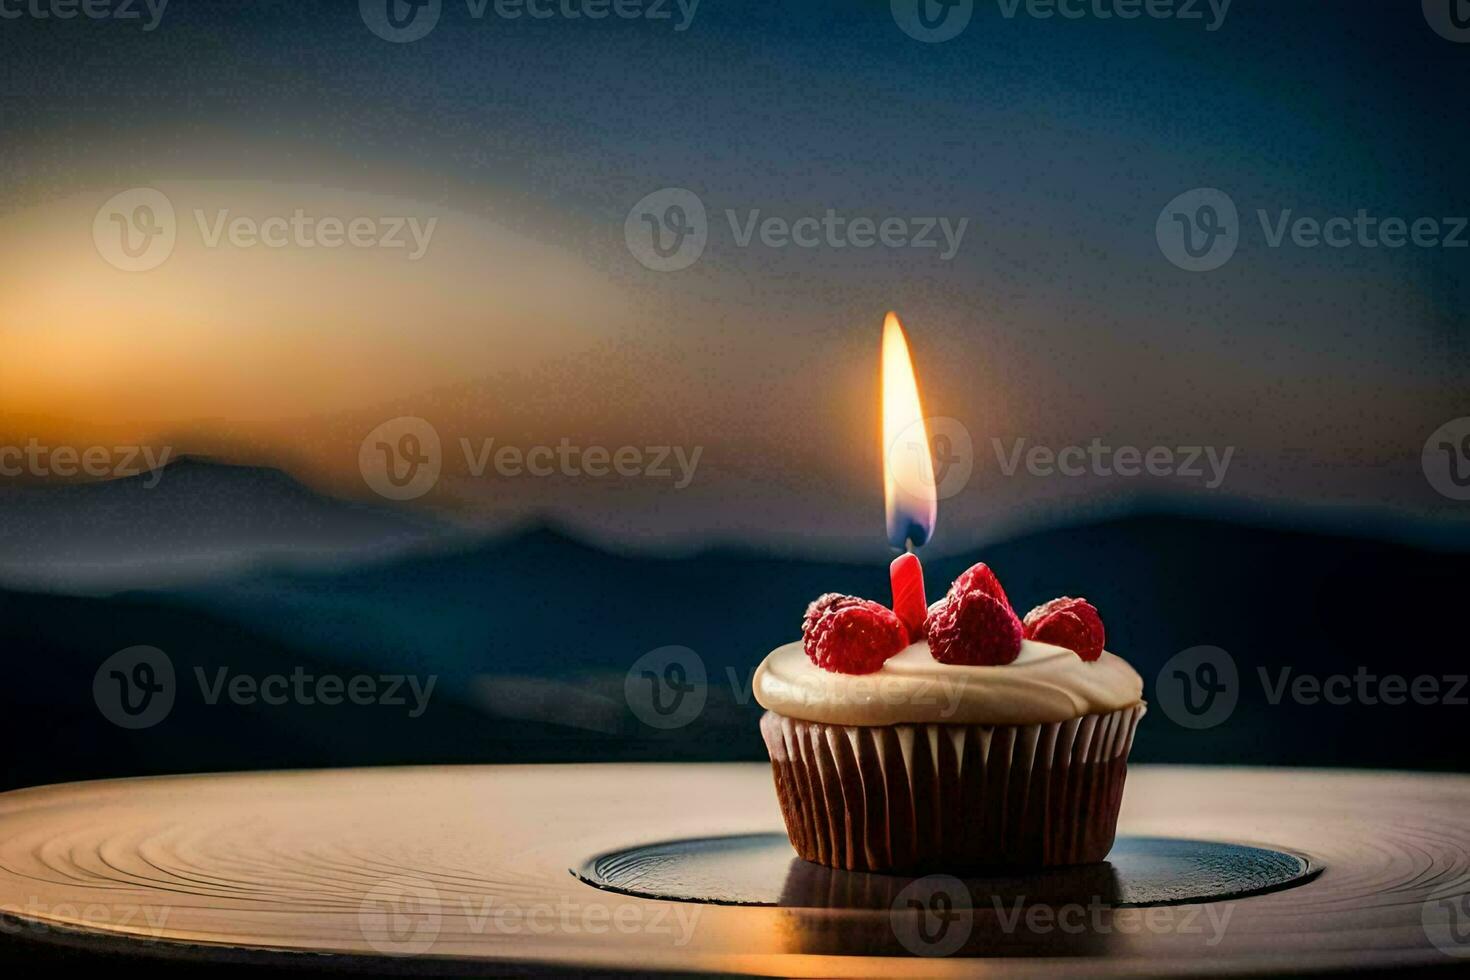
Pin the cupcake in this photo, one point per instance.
(987, 742)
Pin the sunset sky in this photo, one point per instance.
(527, 318)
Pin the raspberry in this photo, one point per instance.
(1070, 623)
(827, 602)
(848, 635)
(974, 628)
(979, 576)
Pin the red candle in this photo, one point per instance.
(906, 576)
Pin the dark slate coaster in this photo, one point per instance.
(762, 869)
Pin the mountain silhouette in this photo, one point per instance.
(534, 638)
(191, 519)
(531, 639)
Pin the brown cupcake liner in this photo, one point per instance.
(951, 797)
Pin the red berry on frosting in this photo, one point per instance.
(1067, 622)
(979, 576)
(823, 604)
(848, 635)
(974, 628)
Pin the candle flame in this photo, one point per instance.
(909, 499)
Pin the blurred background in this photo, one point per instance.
(393, 382)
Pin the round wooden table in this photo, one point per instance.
(468, 868)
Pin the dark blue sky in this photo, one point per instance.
(1058, 140)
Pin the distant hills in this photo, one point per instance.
(530, 637)
(191, 519)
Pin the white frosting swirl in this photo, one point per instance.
(1044, 684)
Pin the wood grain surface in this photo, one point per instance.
(467, 868)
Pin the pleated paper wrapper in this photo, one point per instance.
(951, 797)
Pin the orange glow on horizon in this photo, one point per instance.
(221, 330)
